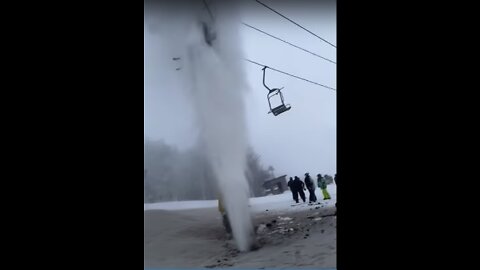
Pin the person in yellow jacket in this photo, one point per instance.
(226, 222)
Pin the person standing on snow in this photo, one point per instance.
(290, 185)
(335, 179)
(298, 187)
(311, 188)
(322, 184)
(226, 222)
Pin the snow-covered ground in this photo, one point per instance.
(180, 205)
(272, 202)
(190, 234)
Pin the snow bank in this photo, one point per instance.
(180, 205)
(271, 203)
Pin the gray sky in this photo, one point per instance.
(300, 140)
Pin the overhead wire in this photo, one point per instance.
(296, 24)
(274, 69)
(286, 73)
(298, 47)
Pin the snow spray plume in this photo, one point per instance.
(218, 86)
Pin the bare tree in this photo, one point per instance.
(174, 175)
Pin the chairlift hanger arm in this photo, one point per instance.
(270, 90)
(264, 68)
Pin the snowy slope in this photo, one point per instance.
(272, 202)
(300, 236)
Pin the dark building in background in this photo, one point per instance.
(276, 185)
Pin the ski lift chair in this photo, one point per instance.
(273, 92)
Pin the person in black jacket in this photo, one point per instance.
(298, 188)
(290, 185)
(335, 179)
(311, 188)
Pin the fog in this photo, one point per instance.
(209, 105)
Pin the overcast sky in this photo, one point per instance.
(298, 141)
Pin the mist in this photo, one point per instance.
(185, 107)
(213, 75)
(172, 174)
(214, 68)
(301, 140)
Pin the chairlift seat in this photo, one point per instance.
(280, 109)
(273, 92)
